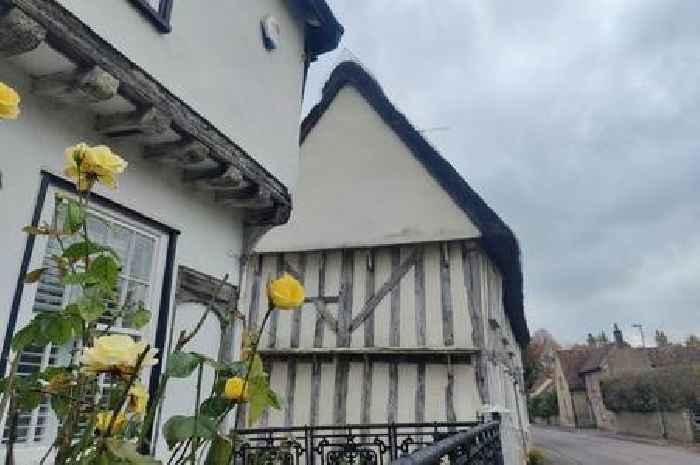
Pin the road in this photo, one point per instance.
(593, 448)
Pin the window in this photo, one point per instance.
(145, 250)
(158, 11)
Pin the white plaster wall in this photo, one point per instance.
(210, 239)
(359, 185)
(214, 60)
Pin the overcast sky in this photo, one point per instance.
(579, 124)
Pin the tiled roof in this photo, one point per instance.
(572, 360)
(673, 355)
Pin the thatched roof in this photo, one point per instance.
(497, 239)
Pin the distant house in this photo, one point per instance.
(415, 310)
(579, 371)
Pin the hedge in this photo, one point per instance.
(667, 389)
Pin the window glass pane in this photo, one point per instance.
(97, 229)
(142, 257)
(120, 241)
(136, 251)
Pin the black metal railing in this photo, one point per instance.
(466, 443)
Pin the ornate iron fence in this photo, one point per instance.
(466, 443)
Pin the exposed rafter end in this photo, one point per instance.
(91, 86)
(136, 124)
(184, 152)
(19, 33)
(221, 178)
(256, 198)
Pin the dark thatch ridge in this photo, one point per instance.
(324, 37)
(497, 239)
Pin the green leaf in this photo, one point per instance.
(24, 337)
(75, 217)
(91, 305)
(220, 451)
(182, 364)
(85, 248)
(260, 395)
(181, 428)
(78, 278)
(34, 276)
(127, 452)
(55, 327)
(28, 395)
(214, 407)
(60, 405)
(138, 318)
(105, 271)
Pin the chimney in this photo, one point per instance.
(619, 340)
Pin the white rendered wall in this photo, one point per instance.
(214, 60)
(210, 239)
(359, 185)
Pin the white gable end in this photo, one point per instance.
(361, 186)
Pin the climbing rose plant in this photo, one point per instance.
(115, 428)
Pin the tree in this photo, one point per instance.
(539, 356)
(692, 341)
(661, 338)
(603, 338)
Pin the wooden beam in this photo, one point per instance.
(71, 36)
(320, 321)
(395, 301)
(369, 351)
(346, 297)
(446, 297)
(372, 303)
(315, 391)
(392, 407)
(325, 315)
(291, 389)
(223, 177)
(77, 87)
(471, 262)
(296, 317)
(258, 198)
(420, 394)
(134, 124)
(387, 354)
(342, 371)
(183, 152)
(366, 394)
(369, 291)
(19, 33)
(419, 279)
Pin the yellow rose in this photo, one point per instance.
(9, 102)
(286, 292)
(88, 164)
(234, 389)
(116, 352)
(104, 418)
(138, 398)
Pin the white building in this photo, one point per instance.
(414, 285)
(174, 87)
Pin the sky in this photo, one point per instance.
(577, 122)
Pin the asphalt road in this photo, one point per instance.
(592, 448)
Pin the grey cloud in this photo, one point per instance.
(578, 122)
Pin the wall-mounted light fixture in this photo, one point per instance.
(270, 29)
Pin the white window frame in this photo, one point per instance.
(31, 450)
